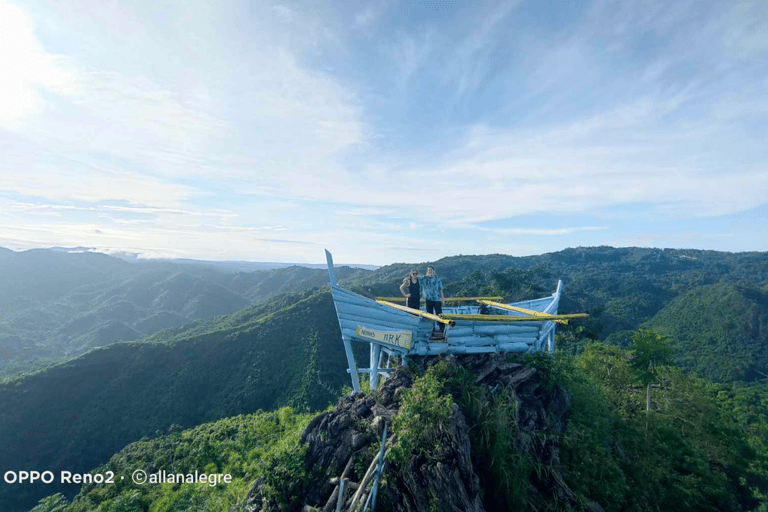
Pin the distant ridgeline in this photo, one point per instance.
(286, 350)
(394, 330)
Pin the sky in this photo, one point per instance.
(383, 131)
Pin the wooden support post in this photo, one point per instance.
(352, 364)
(341, 497)
(375, 357)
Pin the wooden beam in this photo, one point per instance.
(418, 312)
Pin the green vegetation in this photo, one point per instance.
(719, 331)
(650, 352)
(502, 454)
(701, 442)
(500, 451)
(424, 413)
(242, 446)
(702, 447)
(83, 411)
(691, 453)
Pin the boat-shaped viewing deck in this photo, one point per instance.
(395, 330)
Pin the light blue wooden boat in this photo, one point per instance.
(396, 332)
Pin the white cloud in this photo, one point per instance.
(25, 65)
(222, 122)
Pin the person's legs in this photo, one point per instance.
(430, 304)
(436, 307)
(439, 311)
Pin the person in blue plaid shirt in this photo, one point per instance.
(432, 290)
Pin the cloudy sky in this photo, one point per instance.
(383, 131)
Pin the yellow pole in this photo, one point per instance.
(418, 312)
(507, 318)
(520, 310)
(450, 299)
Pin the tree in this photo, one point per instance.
(649, 350)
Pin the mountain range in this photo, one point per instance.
(166, 360)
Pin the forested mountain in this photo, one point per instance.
(74, 415)
(56, 305)
(286, 350)
(720, 331)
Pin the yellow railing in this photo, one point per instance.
(417, 312)
(507, 318)
(448, 299)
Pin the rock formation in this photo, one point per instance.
(343, 443)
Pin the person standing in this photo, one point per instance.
(432, 287)
(412, 284)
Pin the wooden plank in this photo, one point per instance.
(350, 328)
(495, 329)
(331, 271)
(401, 339)
(479, 350)
(488, 340)
(390, 315)
(352, 323)
(416, 338)
(514, 347)
(535, 304)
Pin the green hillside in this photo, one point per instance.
(573, 436)
(57, 305)
(283, 353)
(720, 331)
(286, 350)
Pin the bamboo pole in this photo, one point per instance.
(507, 318)
(364, 482)
(428, 316)
(513, 308)
(519, 310)
(340, 499)
(450, 299)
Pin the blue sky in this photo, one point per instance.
(383, 131)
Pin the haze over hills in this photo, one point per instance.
(285, 348)
(237, 266)
(57, 304)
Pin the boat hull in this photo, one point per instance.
(393, 332)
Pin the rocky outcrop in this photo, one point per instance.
(446, 482)
(343, 442)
